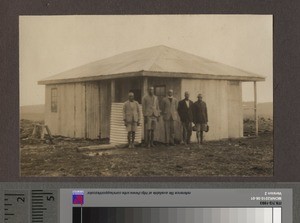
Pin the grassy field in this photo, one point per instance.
(36, 112)
(251, 156)
(32, 112)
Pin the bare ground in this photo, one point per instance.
(251, 156)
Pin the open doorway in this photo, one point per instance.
(137, 95)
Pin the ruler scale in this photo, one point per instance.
(16, 206)
(43, 206)
(30, 206)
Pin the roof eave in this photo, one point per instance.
(202, 76)
(152, 74)
(91, 78)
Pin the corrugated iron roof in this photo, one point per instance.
(153, 61)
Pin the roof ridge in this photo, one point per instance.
(159, 58)
(160, 52)
(207, 60)
(155, 58)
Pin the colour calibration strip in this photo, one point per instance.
(175, 215)
(175, 205)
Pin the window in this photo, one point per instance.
(160, 92)
(53, 99)
(137, 95)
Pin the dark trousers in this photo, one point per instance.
(169, 130)
(187, 131)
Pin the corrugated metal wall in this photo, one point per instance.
(79, 110)
(66, 108)
(224, 104)
(105, 102)
(69, 120)
(84, 109)
(92, 110)
(235, 107)
(118, 132)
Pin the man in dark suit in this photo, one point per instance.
(200, 118)
(169, 112)
(185, 111)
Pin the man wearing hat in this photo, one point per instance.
(151, 114)
(131, 117)
(200, 118)
(169, 111)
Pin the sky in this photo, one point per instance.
(53, 44)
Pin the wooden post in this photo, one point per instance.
(49, 133)
(255, 109)
(144, 93)
(34, 132)
(112, 99)
(113, 91)
(40, 129)
(145, 86)
(42, 132)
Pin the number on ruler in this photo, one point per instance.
(50, 198)
(21, 199)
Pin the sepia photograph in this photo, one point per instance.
(146, 95)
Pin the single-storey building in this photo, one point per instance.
(86, 101)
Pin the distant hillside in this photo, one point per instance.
(32, 112)
(263, 109)
(36, 112)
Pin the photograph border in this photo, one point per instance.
(285, 55)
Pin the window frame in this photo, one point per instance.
(160, 86)
(162, 96)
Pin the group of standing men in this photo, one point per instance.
(170, 109)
